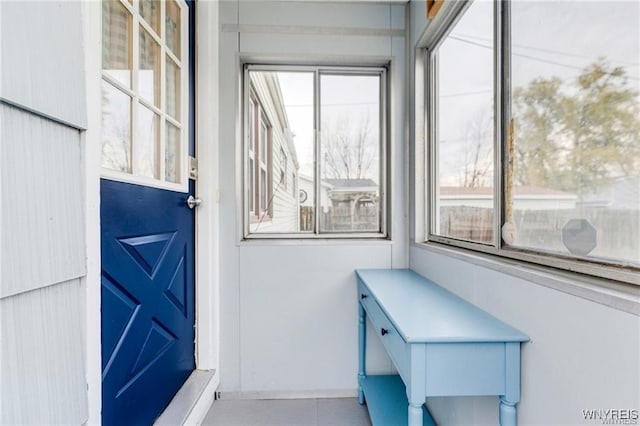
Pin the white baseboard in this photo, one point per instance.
(301, 394)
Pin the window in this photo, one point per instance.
(325, 130)
(283, 170)
(144, 81)
(533, 137)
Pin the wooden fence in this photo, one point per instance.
(617, 230)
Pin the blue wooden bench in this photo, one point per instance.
(440, 344)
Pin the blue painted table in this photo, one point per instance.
(440, 344)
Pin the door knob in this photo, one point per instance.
(193, 202)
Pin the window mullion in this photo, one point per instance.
(432, 138)
(500, 124)
(385, 155)
(163, 94)
(317, 152)
(135, 87)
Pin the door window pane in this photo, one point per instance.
(150, 12)
(172, 28)
(172, 154)
(116, 41)
(465, 130)
(116, 129)
(576, 113)
(350, 147)
(147, 143)
(173, 89)
(149, 73)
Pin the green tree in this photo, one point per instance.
(538, 125)
(578, 136)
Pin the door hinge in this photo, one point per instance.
(193, 168)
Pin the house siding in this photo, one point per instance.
(42, 255)
(282, 205)
(42, 356)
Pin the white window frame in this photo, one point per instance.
(164, 117)
(381, 70)
(426, 170)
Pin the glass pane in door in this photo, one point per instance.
(116, 42)
(149, 73)
(116, 129)
(147, 143)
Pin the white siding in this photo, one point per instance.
(41, 187)
(42, 254)
(42, 356)
(283, 206)
(42, 59)
(288, 310)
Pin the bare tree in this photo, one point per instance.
(348, 149)
(476, 154)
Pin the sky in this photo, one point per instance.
(549, 39)
(352, 99)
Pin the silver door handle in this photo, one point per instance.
(193, 202)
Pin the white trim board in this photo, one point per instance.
(291, 29)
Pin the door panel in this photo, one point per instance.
(147, 299)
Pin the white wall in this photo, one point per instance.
(288, 310)
(42, 255)
(582, 354)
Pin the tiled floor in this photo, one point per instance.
(288, 412)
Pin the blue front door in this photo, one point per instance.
(147, 233)
(147, 300)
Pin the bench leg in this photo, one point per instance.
(508, 416)
(415, 414)
(362, 347)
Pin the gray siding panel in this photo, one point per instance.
(41, 184)
(42, 66)
(42, 356)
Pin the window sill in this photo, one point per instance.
(313, 240)
(620, 296)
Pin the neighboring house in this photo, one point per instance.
(354, 204)
(622, 194)
(307, 194)
(273, 162)
(347, 204)
(524, 198)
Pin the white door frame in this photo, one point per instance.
(207, 215)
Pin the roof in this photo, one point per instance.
(351, 183)
(518, 190)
